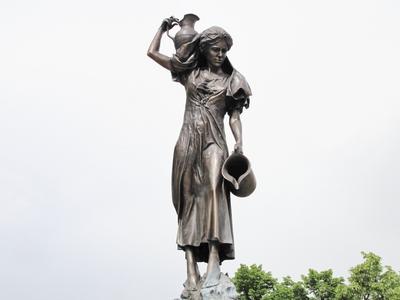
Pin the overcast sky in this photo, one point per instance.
(88, 124)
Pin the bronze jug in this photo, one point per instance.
(187, 32)
(238, 174)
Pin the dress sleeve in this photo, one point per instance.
(181, 69)
(184, 60)
(238, 93)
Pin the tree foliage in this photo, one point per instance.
(252, 282)
(322, 285)
(369, 280)
(287, 289)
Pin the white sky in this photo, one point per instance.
(88, 124)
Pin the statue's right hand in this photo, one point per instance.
(168, 23)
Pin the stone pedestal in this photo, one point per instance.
(224, 290)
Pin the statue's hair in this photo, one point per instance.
(212, 35)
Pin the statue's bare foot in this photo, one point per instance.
(213, 270)
(193, 274)
(212, 276)
(191, 283)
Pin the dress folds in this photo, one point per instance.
(200, 197)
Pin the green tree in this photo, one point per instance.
(364, 278)
(367, 281)
(322, 285)
(252, 283)
(371, 281)
(287, 290)
(344, 292)
(389, 285)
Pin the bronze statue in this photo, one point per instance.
(200, 194)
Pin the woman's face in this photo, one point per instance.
(216, 53)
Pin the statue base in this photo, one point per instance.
(224, 290)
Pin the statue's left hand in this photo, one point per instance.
(238, 148)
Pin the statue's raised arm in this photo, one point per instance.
(154, 48)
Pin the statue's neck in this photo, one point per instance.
(215, 70)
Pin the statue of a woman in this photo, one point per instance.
(200, 196)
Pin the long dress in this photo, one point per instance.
(200, 197)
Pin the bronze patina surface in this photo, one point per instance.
(200, 194)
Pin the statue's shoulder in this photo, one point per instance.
(238, 82)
